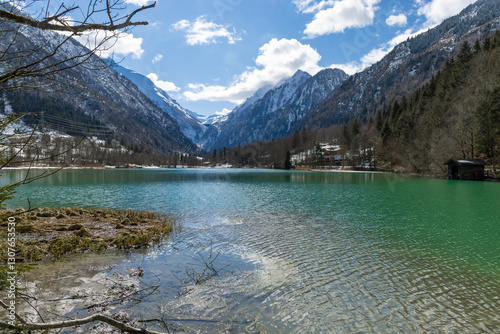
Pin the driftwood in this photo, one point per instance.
(71, 323)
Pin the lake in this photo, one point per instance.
(319, 252)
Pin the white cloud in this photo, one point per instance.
(302, 5)
(349, 68)
(336, 16)
(165, 85)
(109, 43)
(397, 20)
(202, 31)
(224, 112)
(312, 6)
(437, 10)
(377, 54)
(182, 25)
(277, 60)
(157, 58)
(138, 2)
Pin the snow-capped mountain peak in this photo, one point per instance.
(271, 113)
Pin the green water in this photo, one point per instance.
(322, 251)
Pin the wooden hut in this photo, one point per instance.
(465, 169)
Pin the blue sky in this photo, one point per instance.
(212, 54)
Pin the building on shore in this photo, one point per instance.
(466, 169)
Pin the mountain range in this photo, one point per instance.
(270, 113)
(91, 91)
(275, 114)
(405, 68)
(140, 113)
(332, 97)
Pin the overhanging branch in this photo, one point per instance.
(76, 29)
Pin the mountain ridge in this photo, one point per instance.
(99, 92)
(190, 125)
(406, 67)
(271, 116)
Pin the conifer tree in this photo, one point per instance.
(477, 46)
(465, 53)
(288, 162)
(356, 128)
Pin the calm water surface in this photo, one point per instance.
(318, 252)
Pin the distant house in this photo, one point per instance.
(333, 153)
(465, 169)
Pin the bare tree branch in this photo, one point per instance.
(197, 278)
(79, 28)
(43, 62)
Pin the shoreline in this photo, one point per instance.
(50, 237)
(300, 169)
(49, 234)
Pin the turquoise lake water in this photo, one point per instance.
(319, 252)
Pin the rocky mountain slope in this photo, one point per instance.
(272, 113)
(94, 91)
(405, 68)
(190, 125)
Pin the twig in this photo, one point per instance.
(18, 317)
(208, 272)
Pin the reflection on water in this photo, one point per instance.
(309, 252)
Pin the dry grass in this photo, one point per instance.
(52, 233)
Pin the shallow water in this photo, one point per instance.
(317, 252)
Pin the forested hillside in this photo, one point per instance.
(405, 68)
(457, 113)
(90, 95)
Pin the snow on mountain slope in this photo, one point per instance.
(190, 125)
(312, 93)
(113, 100)
(274, 113)
(252, 99)
(284, 92)
(212, 119)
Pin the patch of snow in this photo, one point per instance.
(190, 125)
(470, 15)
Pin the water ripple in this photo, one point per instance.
(326, 278)
(314, 252)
